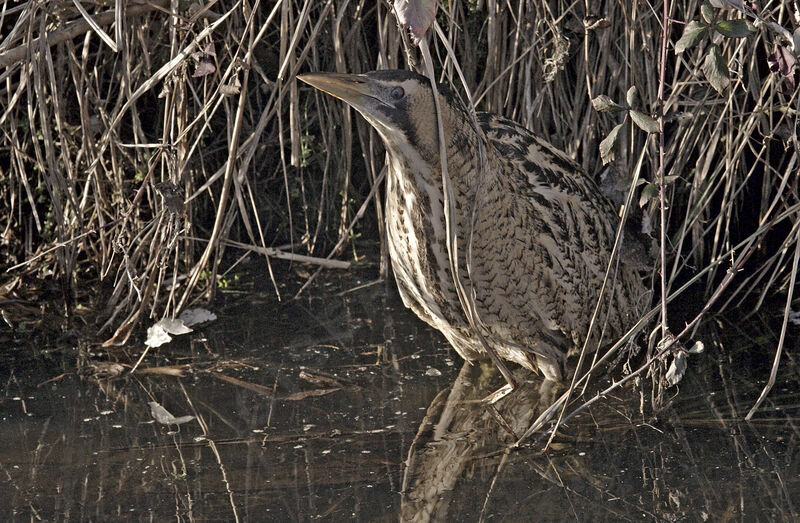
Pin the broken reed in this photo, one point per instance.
(108, 127)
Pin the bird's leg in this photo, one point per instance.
(500, 393)
(492, 410)
(506, 389)
(490, 400)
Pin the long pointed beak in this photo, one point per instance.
(351, 88)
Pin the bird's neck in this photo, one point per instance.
(415, 200)
(416, 155)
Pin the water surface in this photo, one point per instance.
(342, 405)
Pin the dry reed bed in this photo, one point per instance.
(101, 107)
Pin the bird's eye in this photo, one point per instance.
(397, 93)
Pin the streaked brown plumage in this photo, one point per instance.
(542, 232)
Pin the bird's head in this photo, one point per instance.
(398, 104)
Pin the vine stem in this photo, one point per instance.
(661, 190)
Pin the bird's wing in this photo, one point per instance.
(544, 235)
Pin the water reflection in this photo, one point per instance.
(345, 406)
(699, 462)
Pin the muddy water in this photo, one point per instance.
(345, 406)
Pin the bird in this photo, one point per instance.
(534, 233)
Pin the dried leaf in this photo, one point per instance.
(416, 16)
(104, 369)
(156, 336)
(783, 61)
(163, 416)
(204, 67)
(609, 143)
(595, 22)
(716, 70)
(174, 326)
(178, 371)
(734, 28)
(676, 369)
(604, 104)
(796, 38)
(644, 122)
(255, 387)
(191, 317)
(630, 96)
(297, 396)
(159, 334)
(728, 4)
(697, 348)
(318, 379)
(232, 87)
(173, 197)
(692, 33)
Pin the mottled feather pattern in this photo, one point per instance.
(540, 245)
(564, 227)
(534, 233)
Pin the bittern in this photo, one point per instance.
(534, 233)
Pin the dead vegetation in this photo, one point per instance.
(152, 145)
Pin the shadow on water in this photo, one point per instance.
(343, 406)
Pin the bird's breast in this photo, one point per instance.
(416, 236)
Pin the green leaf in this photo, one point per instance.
(707, 11)
(734, 28)
(609, 143)
(630, 97)
(692, 33)
(644, 122)
(649, 192)
(604, 104)
(716, 70)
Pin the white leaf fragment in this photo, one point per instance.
(192, 317)
(676, 369)
(157, 336)
(163, 416)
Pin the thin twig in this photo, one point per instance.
(777, 361)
